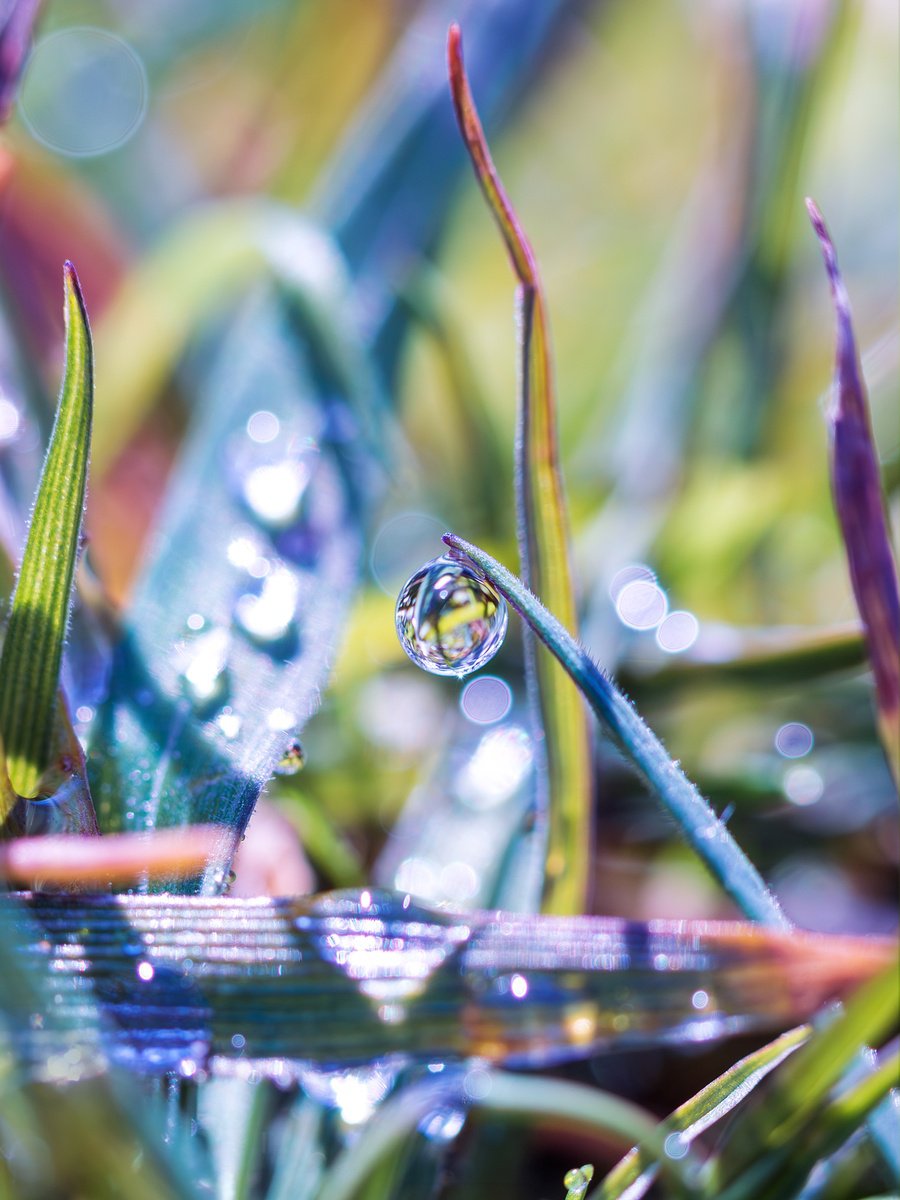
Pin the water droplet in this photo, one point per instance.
(292, 761)
(204, 668)
(229, 723)
(577, 1181)
(273, 492)
(676, 1145)
(267, 617)
(450, 619)
(281, 720)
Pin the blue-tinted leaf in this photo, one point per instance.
(233, 624)
(15, 37)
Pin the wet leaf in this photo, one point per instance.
(702, 828)
(348, 978)
(543, 530)
(233, 624)
(31, 724)
(858, 499)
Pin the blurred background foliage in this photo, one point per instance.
(658, 155)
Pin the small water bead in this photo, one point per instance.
(577, 1181)
(292, 761)
(204, 668)
(450, 619)
(267, 617)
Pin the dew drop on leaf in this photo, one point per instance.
(292, 761)
(450, 619)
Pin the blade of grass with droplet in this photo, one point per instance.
(543, 530)
(38, 622)
(793, 1107)
(705, 831)
(160, 754)
(690, 1119)
(859, 502)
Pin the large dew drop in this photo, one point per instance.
(450, 619)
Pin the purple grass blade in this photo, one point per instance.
(15, 38)
(858, 498)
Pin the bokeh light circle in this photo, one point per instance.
(84, 92)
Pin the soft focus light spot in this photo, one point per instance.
(477, 1083)
(281, 720)
(263, 427)
(629, 574)
(496, 769)
(443, 1125)
(400, 547)
(403, 713)
(10, 420)
(458, 881)
(518, 985)
(676, 1145)
(145, 971)
(486, 699)
(700, 999)
(677, 632)
(794, 739)
(238, 1041)
(84, 91)
(803, 785)
(195, 622)
(229, 723)
(269, 616)
(273, 492)
(417, 875)
(84, 713)
(641, 604)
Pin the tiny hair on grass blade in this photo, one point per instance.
(38, 622)
(703, 829)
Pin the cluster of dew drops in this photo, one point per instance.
(450, 619)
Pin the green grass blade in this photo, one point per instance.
(701, 827)
(797, 1102)
(710, 1104)
(33, 647)
(543, 530)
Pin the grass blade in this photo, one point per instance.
(710, 1104)
(33, 647)
(701, 827)
(795, 1106)
(859, 501)
(543, 529)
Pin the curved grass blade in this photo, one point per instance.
(859, 501)
(701, 827)
(636, 1172)
(543, 530)
(33, 645)
(798, 1102)
(308, 980)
